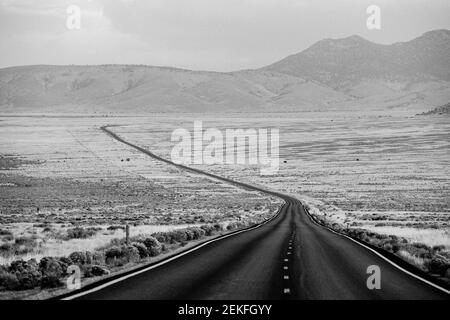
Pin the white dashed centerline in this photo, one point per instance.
(287, 290)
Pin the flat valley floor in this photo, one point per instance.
(385, 174)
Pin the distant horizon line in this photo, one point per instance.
(213, 71)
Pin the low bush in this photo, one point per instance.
(8, 280)
(208, 229)
(27, 273)
(439, 265)
(130, 253)
(162, 237)
(23, 245)
(52, 271)
(99, 271)
(25, 241)
(64, 262)
(51, 281)
(6, 248)
(439, 248)
(154, 247)
(94, 271)
(187, 234)
(432, 259)
(113, 252)
(4, 232)
(236, 225)
(114, 228)
(118, 256)
(179, 235)
(143, 251)
(78, 258)
(196, 233)
(98, 258)
(81, 233)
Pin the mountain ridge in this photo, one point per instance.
(329, 74)
(334, 61)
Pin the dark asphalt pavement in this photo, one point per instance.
(290, 257)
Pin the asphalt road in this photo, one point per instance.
(290, 257)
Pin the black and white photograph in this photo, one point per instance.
(226, 157)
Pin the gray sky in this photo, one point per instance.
(221, 35)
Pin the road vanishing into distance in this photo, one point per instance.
(288, 257)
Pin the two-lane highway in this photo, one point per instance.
(289, 257)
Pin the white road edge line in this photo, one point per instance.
(252, 228)
(109, 283)
(380, 255)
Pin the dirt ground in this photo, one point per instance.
(58, 173)
(66, 171)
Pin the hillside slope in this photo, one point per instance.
(330, 74)
(345, 62)
(152, 89)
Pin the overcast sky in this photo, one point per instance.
(220, 35)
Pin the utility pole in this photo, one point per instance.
(127, 234)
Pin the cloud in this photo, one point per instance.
(219, 35)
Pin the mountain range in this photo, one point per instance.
(332, 74)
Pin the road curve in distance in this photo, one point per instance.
(289, 257)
